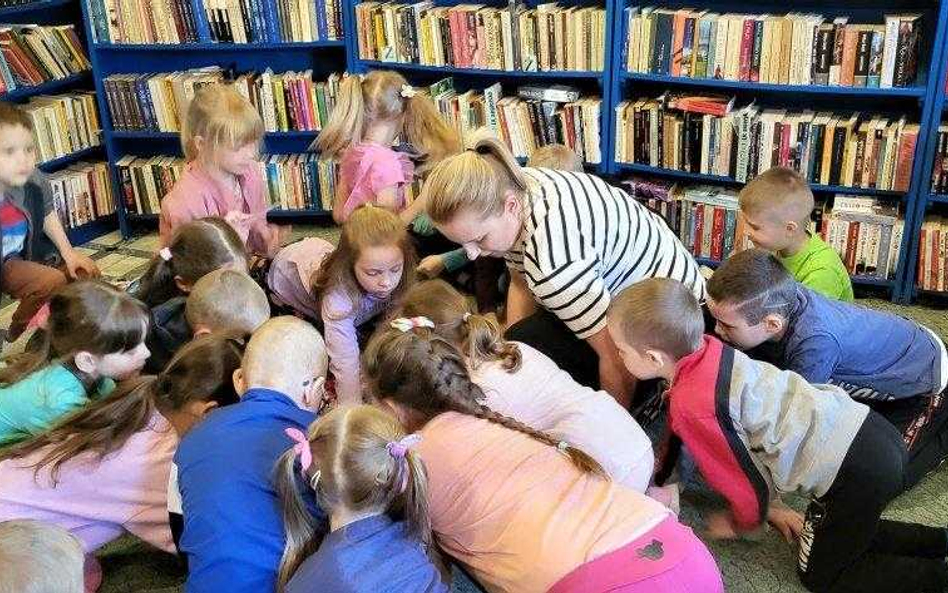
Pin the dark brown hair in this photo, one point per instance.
(428, 375)
(479, 337)
(349, 447)
(757, 283)
(197, 247)
(13, 115)
(202, 370)
(368, 226)
(659, 313)
(89, 316)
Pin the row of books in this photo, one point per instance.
(297, 181)
(549, 37)
(932, 255)
(940, 170)
(537, 116)
(708, 136)
(63, 124)
(289, 101)
(227, 21)
(82, 193)
(31, 55)
(866, 233)
(795, 48)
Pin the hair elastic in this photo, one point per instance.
(465, 317)
(399, 448)
(406, 324)
(562, 446)
(300, 447)
(408, 92)
(165, 253)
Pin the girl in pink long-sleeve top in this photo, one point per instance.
(104, 470)
(220, 137)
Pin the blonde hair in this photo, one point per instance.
(36, 557)
(350, 448)
(223, 118)
(659, 313)
(479, 337)
(227, 300)
(368, 226)
(474, 181)
(379, 96)
(780, 193)
(556, 156)
(283, 353)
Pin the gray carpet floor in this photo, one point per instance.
(766, 565)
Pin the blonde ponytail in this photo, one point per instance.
(347, 120)
(303, 535)
(415, 499)
(425, 129)
(474, 181)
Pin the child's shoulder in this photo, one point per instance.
(370, 152)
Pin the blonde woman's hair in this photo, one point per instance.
(658, 313)
(475, 181)
(223, 118)
(357, 471)
(479, 337)
(37, 557)
(556, 156)
(379, 96)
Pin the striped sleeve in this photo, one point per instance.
(565, 278)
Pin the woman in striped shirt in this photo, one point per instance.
(571, 242)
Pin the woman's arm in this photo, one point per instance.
(520, 301)
(613, 376)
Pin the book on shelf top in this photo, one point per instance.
(31, 55)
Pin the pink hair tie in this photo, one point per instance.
(301, 447)
(406, 324)
(165, 253)
(399, 448)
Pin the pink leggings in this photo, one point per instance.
(667, 559)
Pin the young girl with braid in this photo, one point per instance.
(521, 509)
(521, 382)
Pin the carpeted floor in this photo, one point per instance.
(767, 565)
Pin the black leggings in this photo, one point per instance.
(923, 424)
(847, 547)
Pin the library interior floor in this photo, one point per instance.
(767, 565)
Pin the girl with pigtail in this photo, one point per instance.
(523, 510)
(521, 382)
(372, 483)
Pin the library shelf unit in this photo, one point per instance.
(921, 102)
(59, 12)
(321, 57)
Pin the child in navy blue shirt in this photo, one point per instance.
(233, 534)
(374, 488)
(894, 365)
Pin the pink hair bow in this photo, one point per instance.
(301, 447)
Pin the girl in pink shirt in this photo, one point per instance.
(523, 510)
(220, 138)
(520, 382)
(370, 113)
(346, 287)
(104, 470)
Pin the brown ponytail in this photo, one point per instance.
(479, 337)
(428, 375)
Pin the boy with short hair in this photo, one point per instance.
(557, 157)
(756, 431)
(895, 365)
(776, 209)
(37, 557)
(233, 534)
(26, 207)
(223, 300)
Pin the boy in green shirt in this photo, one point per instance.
(776, 209)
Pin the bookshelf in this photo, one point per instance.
(917, 101)
(321, 57)
(58, 12)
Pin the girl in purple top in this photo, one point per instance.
(363, 467)
(347, 286)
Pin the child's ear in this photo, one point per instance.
(656, 358)
(86, 362)
(201, 409)
(314, 393)
(200, 330)
(774, 324)
(240, 384)
(198, 143)
(183, 286)
(792, 226)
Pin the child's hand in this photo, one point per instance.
(431, 266)
(79, 265)
(785, 520)
(720, 525)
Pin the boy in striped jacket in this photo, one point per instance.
(756, 432)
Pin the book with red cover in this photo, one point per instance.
(851, 242)
(698, 217)
(717, 234)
